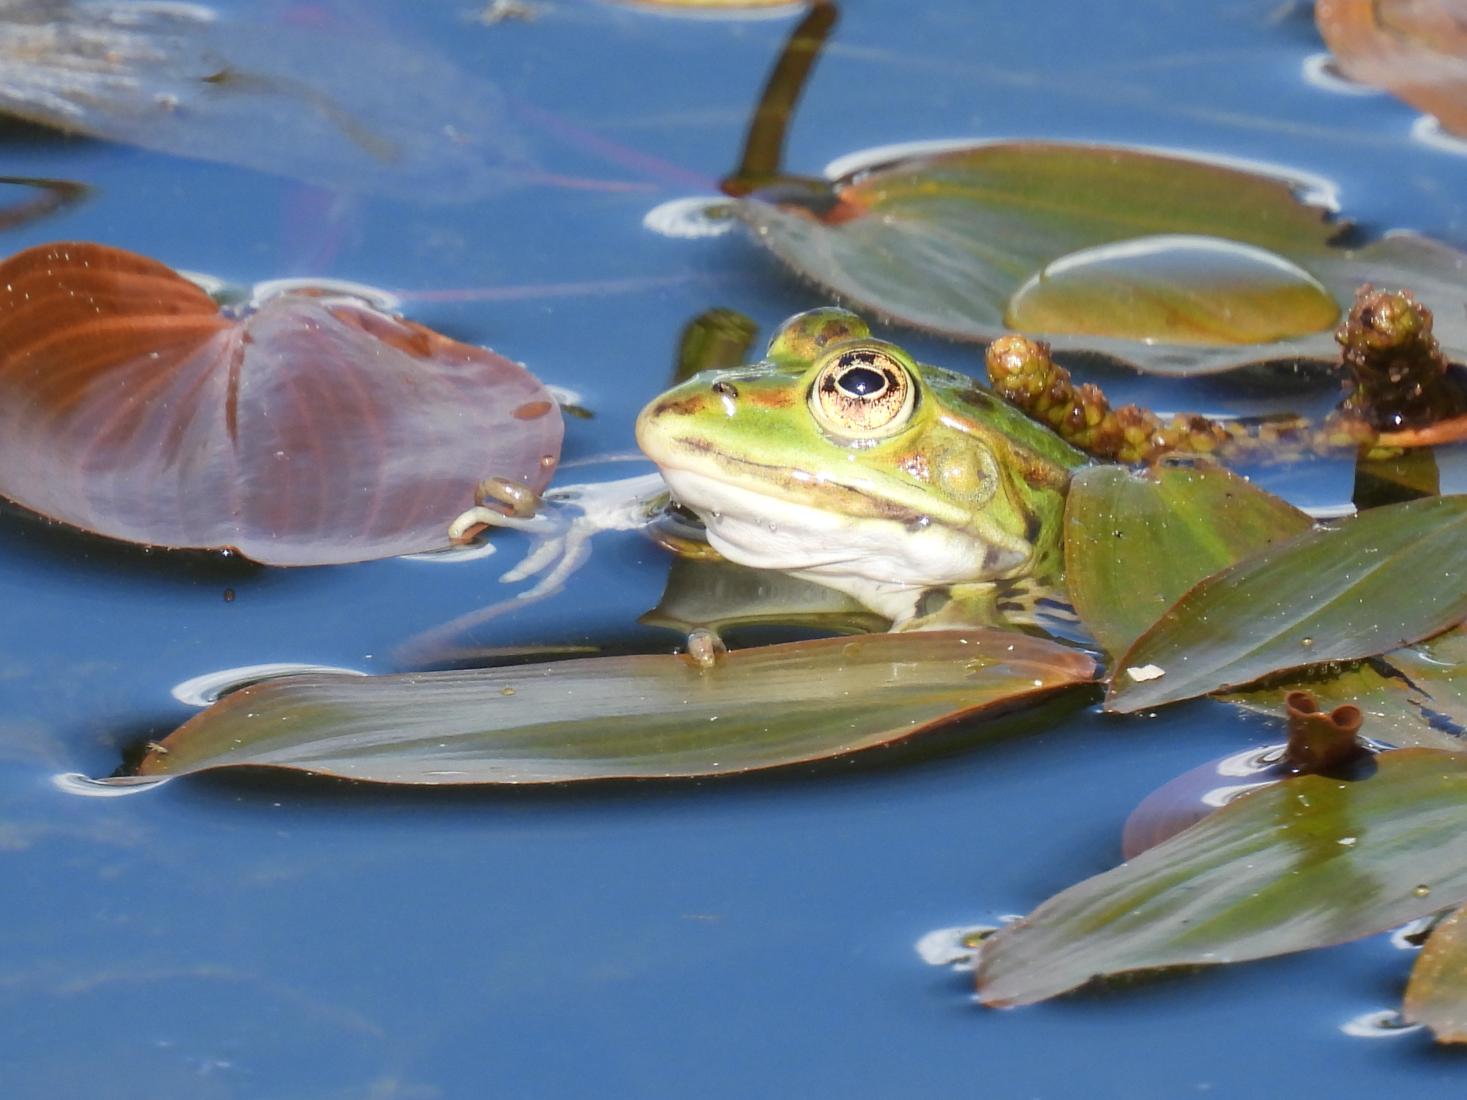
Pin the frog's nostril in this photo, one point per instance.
(725, 389)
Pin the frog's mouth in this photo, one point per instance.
(894, 547)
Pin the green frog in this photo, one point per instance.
(840, 459)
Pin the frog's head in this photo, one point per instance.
(840, 458)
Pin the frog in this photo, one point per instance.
(840, 459)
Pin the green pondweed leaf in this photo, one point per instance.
(1135, 541)
(1375, 581)
(1177, 265)
(1306, 862)
(1437, 992)
(639, 717)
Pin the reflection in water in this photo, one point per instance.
(957, 947)
(1429, 131)
(316, 287)
(201, 691)
(690, 218)
(1384, 1023)
(331, 105)
(111, 787)
(1321, 70)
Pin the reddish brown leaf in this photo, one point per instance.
(314, 430)
(1415, 49)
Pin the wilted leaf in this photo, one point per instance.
(333, 105)
(1437, 992)
(1415, 49)
(646, 717)
(1141, 255)
(1135, 541)
(1375, 581)
(1411, 697)
(313, 430)
(1303, 863)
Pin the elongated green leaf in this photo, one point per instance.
(1376, 581)
(648, 717)
(1306, 862)
(1411, 697)
(1437, 992)
(1136, 541)
(1175, 264)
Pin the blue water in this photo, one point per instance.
(283, 939)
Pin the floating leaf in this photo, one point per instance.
(1136, 541)
(1415, 49)
(1179, 289)
(966, 240)
(1375, 581)
(1306, 862)
(1437, 992)
(645, 717)
(1411, 697)
(313, 430)
(332, 105)
(1183, 801)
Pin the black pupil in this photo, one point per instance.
(861, 381)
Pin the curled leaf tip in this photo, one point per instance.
(1396, 374)
(1321, 741)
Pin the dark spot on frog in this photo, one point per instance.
(1033, 525)
(933, 600)
(685, 406)
(725, 389)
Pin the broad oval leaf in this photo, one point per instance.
(1135, 541)
(313, 430)
(334, 105)
(945, 240)
(1182, 289)
(640, 717)
(1302, 863)
(1436, 995)
(1376, 581)
(1415, 49)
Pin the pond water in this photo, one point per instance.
(253, 937)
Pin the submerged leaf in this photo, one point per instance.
(1375, 581)
(1415, 49)
(314, 430)
(1437, 992)
(643, 717)
(1136, 541)
(337, 106)
(965, 241)
(1306, 862)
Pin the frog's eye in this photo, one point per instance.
(863, 393)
